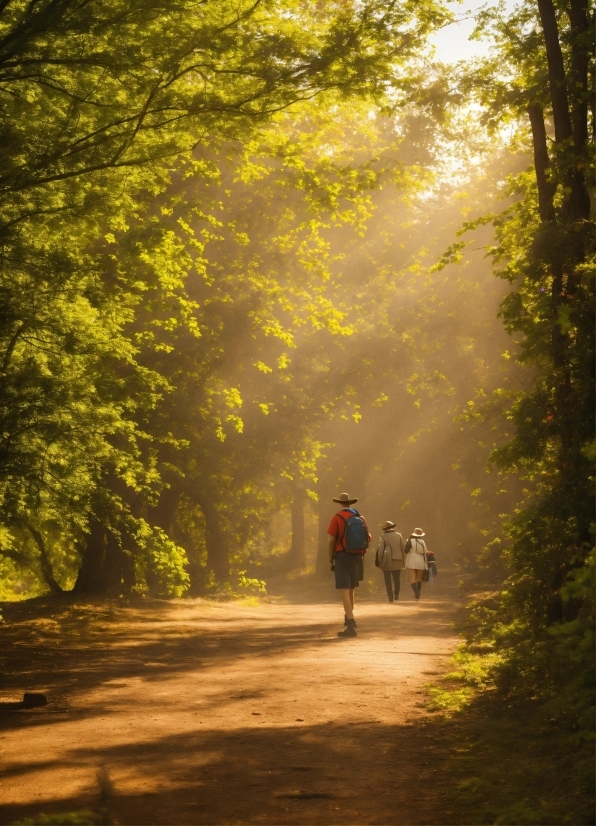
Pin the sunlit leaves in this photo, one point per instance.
(102, 107)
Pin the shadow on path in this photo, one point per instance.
(357, 773)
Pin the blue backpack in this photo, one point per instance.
(355, 534)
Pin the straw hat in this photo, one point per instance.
(344, 499)
(388, 525)
(418, 532)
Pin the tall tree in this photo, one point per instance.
(545, 248)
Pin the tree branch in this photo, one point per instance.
(17, 557)
(47, 569)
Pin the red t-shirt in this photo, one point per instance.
(337, 528)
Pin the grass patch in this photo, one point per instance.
(511, 766)
(510, 762)
(250, 602)
(472, 674)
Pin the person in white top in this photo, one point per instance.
(416, 564)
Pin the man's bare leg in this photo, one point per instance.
(347, 597)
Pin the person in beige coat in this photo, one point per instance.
(390, 558)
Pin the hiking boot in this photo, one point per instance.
(349, 630)
(346, 621)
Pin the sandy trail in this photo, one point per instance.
(203, 713)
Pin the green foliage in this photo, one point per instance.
(249, 584)
(166, 560)
(127, 110)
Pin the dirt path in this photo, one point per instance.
(197, 712)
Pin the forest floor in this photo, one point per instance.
(201, 712)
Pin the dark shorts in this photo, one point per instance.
(349, 569)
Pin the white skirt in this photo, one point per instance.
(417, 561)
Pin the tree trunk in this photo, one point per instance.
(581, 44)
(297, 553)
(566, 251)
(106, 567)
(546, 189)
(580, 63)
(322, 565)
(577, 205)
(215, 540)
(47, 568)
(113, 567)
(162, 515)
(92, 557)
(129, 575)
(556, 71)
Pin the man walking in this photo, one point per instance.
(390, 558)
(348, 540)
